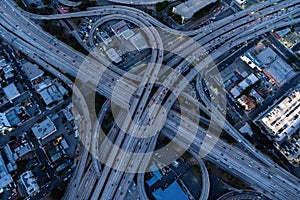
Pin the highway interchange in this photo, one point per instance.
(33, 41)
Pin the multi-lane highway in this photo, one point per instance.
(32, 41)
(242, 195)
(122, 184)
(138, 2)
(263, 178)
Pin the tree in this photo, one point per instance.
(170, 11)
(161, 5)
(292, 59)
(21, 165)
(12, 138)
(20, 4)
(46, 2)
(56, 193)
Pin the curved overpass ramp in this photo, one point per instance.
(242, 195)
(138, 2)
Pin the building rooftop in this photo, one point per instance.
(104, 37)
(127, 33)
(113, 55)
(173, 192)
(12, 117)
(51, 94)
(118, 26)
(275, 67)
(283, 32)
(241, 1)
(250, 60)
(187, 9)
(43, 129)
(3, 62)
(8, 69)
(248, 81)
(283, 119)
(29, 182)
(22, 150)
(4, 123)
(246, 129)
(8, 75)
(11, 91)
(64, 144)
(46, 97)
(139, 41)
(156, 175)
(32, 71)
(258, 98)
(9, 154)
(247, 102)
(68, 114)
(5, 177)
(43, 84)
(61, 89)
(56, 156)
(61, 167)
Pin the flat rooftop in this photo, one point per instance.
(118, 26)
(283, 119)
(5, 177)
(43, 129)
(11, 91)
(241, 1)
(113, 55)
(173, 192)
(189, 8)
(139, 41)
(275, 66)
(249, 80)
(32, 71)
(29, 182)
